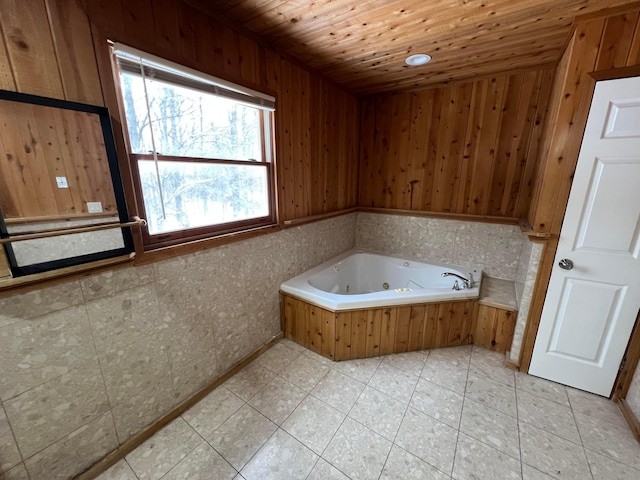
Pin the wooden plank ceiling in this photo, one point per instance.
(362, 44)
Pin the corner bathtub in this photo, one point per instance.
(358, 279)
(362, 304)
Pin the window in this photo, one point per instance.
(200, 149)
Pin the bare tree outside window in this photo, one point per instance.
(192, 191)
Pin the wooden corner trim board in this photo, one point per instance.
(130, 445)
(630, 417)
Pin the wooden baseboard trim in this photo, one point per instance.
(632, 420)
(130, 445)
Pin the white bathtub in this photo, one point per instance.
(359, 279)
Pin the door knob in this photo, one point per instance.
(565, 264)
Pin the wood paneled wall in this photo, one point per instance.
(608, 45)
(465, 148)
(315, 124)
(597, 45)
(47, 49)
(42, 143)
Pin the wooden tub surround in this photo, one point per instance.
(351, 334)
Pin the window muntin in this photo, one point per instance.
(200, 152)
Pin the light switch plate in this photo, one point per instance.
(94, 207)
(62, 182)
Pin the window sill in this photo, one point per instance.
(163, 253)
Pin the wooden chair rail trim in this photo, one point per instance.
(446, 216)
(527, 229)
(314, 218)
(11, 286)
(57, 232)
(130, 445)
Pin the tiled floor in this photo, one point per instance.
(448, 413)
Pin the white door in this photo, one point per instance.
(590, 309)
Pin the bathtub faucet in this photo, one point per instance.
(468, 283)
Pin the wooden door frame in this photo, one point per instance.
(548, 256)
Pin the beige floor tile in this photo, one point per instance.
(202, 463)
(401, 465)
(354, 413)
(445, 374)
(605, 468)
(319, 358)
(241, 436)
(293, 345)
(212, 411)
(338, 390)
(361, 369)
(410, 362)
(281, 458)
(595, 406)
(248, 381)
(325, 471)
(549, 416)
(120, 471)
(9, 455)
(155, 457)
(277, 399)
(552, 455)
(18, 472)
(492, 394)
(314, 423)
(396, 383)
(476, 461)
(542, 388)
(277, 358)
(438, 402)
(490, 426)
(379, 412)
(357, 451)
(614, 441)
(305, 372)
(490, 364)
(530, 473)
(428, 439)
(459, 356)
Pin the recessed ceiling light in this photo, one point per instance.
(418, 59)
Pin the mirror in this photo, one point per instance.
(58, 174)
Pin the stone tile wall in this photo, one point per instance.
(525, 282)
(492, 247)
(89, 363)
(500, 250)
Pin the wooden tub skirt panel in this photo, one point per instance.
(380, 331)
